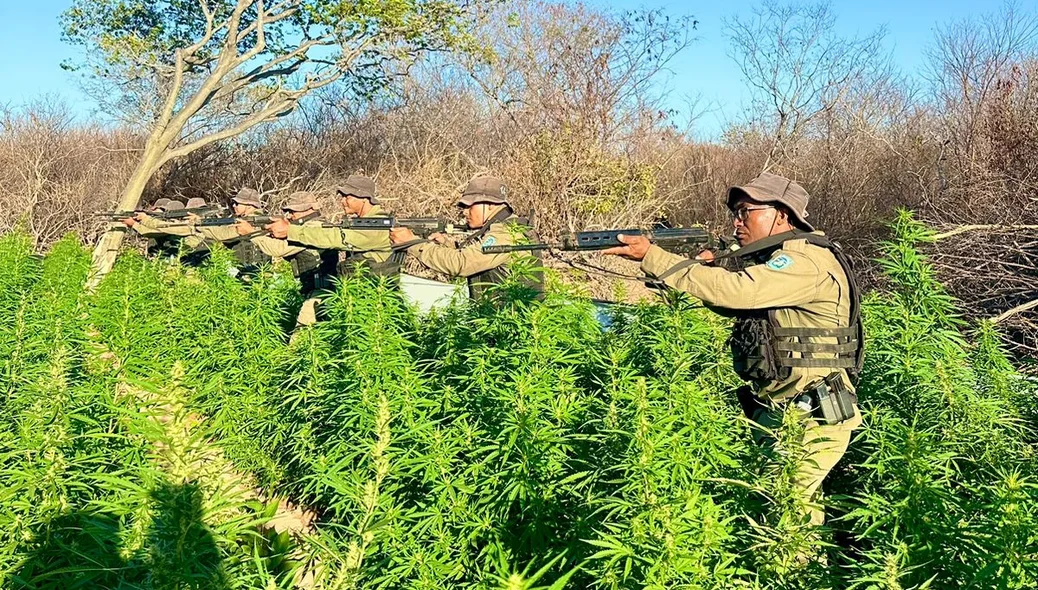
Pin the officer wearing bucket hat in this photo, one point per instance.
(164, 236)
(797, 338)
(314, 268)
(246, 203)
(488, 212)
(370, 248)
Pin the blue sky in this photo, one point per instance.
(32, 50)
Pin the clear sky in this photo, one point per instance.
(32, 50)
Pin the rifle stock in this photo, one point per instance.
(600, 240)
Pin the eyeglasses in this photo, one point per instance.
(742, 213)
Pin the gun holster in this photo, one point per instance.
(832, 400)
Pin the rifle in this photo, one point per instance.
(257, 220)
(422, 226)
(675, 239)
(208, 210)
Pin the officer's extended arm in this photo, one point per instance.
(457, 263)
(791, 281)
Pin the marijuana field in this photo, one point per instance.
(157, 432)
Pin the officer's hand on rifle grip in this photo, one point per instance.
(705, 256)
(244, 228)
(635, 248)
(437, 238)
(399, 235)
(278, 228)
(129, 222)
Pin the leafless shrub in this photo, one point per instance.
(54, 173)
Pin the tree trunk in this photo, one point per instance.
(107, 248)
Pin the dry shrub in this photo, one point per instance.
(55, 173)
(566, 108)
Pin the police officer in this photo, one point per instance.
(314, 268)
(163, 235)
(250, 257)
(797, 338)
(487, 210)
(370, 248)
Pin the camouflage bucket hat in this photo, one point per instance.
(195, 203)
(772, 188)
(248, 196)
(359, 186)
(301, 201)
(486, 189)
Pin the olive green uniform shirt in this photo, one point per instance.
(153, 227)
(470, 260)
(374, 244)
(276, 248)
(803, 283)
(218, 233)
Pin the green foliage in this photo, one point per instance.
(507, 444)
(136, 34)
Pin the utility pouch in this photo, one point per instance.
(834, 403)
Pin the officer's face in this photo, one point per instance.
(754, 221)
(476, 215)
(352, 205)
(294, 215)
(244, 210)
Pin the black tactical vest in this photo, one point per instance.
(315, 269)
(387, 268)
(763, 351)
(249, 255)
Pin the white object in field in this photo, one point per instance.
(426, 294)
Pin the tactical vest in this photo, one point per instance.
(386, 268)
(763, 351)
(249, 255)
(480, 282)
(315, 269)
(164, 247)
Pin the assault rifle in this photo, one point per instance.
(674, 239)
(422, 226)
(178, 214)
(256, 220)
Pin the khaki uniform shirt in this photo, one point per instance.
(282, 249)
(469, 260)
(803, 283)
(333, 238)
(218, 233)
(153, 227)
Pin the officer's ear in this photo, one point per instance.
(782, 214)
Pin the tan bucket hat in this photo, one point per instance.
(160, 205)
(301, 201)
(486, 189)
(248, 196)
(195, 203)
(772, 188)
(359, 186)
(173, 206)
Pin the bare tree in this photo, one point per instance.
(221, 67)
(798, 67)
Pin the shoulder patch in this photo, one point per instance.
(780, 262)
(490, 241)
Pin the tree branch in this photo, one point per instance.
(1016, 310)
(968, 228)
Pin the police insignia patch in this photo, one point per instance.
(780, 262)
(490, 241)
